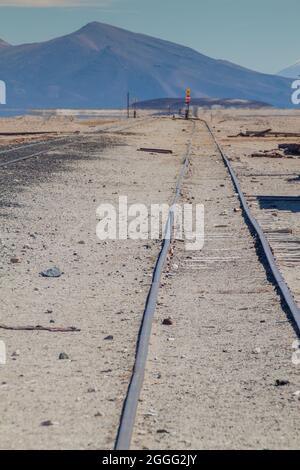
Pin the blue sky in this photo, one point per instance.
(259, 34)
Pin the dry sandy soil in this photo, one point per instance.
(48, 218)
(221, 375)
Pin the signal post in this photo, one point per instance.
(187, 102)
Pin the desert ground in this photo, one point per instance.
(219, 373)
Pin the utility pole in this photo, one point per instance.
(188, 111)
(128, 105)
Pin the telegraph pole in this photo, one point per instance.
(128, 105)
(134, 107)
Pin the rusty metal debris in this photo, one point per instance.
(70, 329)
(144, 149)
(266, 133)
(269, 154)
(284, 149)
(21, 134)
(290, 149)
(252, 133)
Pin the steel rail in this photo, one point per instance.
(122, 128)
(56, 139)
(129, 410)
(283, 287)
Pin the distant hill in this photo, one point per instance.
(175, 103)
(97, 65)
(4, 44)
(291, 72)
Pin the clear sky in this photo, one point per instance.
(259, 34)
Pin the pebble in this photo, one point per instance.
(167, 321)
(16, 353)
(63, 356)
(150, 413)
(15, 260)
(109, 338)
(281, 383)
(47, 423)
(51, 272)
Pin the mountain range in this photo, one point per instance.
(96, 66)
(291, 72)
(3, 44)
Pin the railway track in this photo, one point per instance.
(129, 412)
(131, 402)
(20, 153)
(261, 237)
